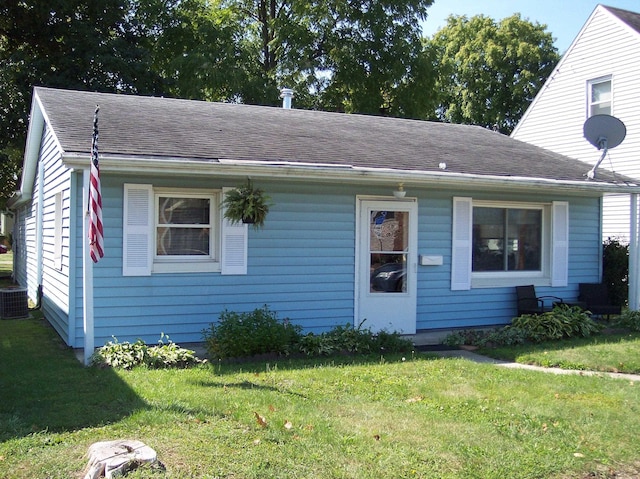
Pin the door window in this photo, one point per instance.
(388, 248)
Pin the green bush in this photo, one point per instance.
(629, 319)
(238, 335)
(348, 339)
(127, 355)
(562, 322)
(615, 270)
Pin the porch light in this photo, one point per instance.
(399, 193)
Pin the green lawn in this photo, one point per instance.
(617, 352)
(6, 264)
(391, 417)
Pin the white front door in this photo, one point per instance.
(386, 263)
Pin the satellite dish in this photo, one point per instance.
(603, 132)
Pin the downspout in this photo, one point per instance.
(634, 256)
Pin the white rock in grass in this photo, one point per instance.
(115, 458)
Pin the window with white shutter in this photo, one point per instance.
(168, 230)
(507, 243)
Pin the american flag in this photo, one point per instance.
(96, 240)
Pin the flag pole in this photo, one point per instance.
(87, 275)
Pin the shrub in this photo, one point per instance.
(562, 322)
(248, 334)
(629, 319)
(127, 355)
(615, 270)
(348, 339)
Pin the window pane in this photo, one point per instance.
(183, 211)
(601, 92)
(507, 239)
(601, 98)
(488, 239)
(183, 241)
(388, 273)
(524, 239)
(388, 231)
(601, 109)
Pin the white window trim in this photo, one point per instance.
(555, 231)
(590, 84)
(187, 264)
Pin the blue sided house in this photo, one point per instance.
(406, 225)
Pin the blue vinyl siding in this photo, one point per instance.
(439, 307)
(302, 265)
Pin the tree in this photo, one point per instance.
(100, 46)
(489, 72)
(336, 55)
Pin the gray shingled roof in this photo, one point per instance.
(171, 129)
(630, 18)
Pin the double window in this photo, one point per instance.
(168, 230)
(507, 239)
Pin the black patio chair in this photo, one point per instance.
(529, 303)
(597, 300)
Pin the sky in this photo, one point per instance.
(564, 18)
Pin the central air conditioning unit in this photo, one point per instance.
(13, 303)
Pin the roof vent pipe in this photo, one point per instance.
(287, 95)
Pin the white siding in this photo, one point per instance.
(42, 268)
(605, 46)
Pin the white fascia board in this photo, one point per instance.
(340, 174)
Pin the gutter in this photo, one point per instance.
(133, 165)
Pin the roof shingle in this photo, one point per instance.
(176, 129)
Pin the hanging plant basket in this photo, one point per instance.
(246, 204)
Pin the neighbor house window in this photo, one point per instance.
(600, 96)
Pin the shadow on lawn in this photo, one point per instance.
(44, 387)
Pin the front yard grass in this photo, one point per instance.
(348, 417)
(607, 352)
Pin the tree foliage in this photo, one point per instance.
(69, 44)
(489, 72)
(336, 55)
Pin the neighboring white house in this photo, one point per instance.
(598, 74)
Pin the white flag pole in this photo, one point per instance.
(87, 275)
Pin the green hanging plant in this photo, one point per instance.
(246, 204)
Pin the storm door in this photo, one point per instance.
(386, 265)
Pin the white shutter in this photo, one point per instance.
(235, 243)
(137, 230)
(461, 243)
(560, 244)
